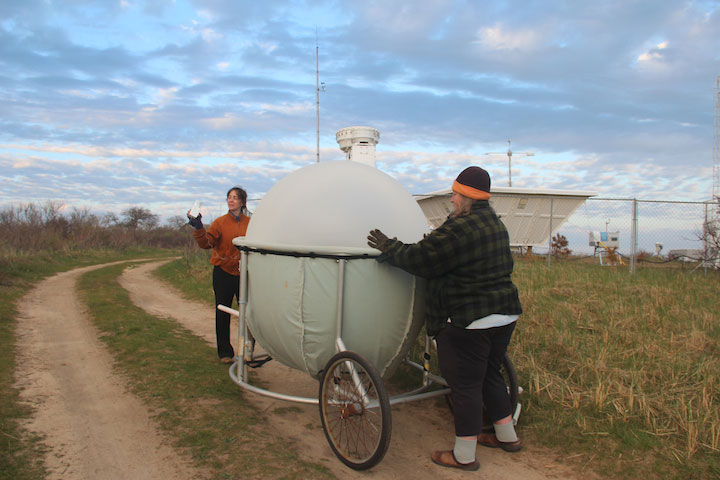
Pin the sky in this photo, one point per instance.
(107, 105)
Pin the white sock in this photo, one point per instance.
(464, 450)
(505, 432)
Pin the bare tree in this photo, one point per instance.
(176, 222)
(711, 242)
(140, 218)
(109, 220)
(52, 211)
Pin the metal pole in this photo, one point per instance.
(633, 237)
(317, 99)
(509, 168)
(242, 324)
(338, 322)
(339, 308)
(706, 253)
(552, 206)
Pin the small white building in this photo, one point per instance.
(531, 216)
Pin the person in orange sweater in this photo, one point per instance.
(225, 258)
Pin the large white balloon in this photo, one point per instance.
(336, 204)
(292, 298)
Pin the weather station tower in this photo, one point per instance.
(716, 148)
(509, 156)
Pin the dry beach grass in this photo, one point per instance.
(621, 364)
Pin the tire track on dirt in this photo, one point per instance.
(93, 427)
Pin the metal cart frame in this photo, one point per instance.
(353, 402)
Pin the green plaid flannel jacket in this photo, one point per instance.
(467, 263)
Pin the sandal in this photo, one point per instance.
(446, 458)
(490, 440)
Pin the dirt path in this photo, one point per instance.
(93, 427)
(418, 427)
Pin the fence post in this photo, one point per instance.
(552, 204)
(633, 235)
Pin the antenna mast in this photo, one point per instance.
(319, 86)
(317, 94)
(509, 155)
(716, 146)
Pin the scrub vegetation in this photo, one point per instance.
(619, 371)
(28, 229)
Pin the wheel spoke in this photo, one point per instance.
(359, 435)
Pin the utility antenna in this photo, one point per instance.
(716, 145)
(318, 86)
(509, 155)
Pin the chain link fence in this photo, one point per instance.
(642, 231)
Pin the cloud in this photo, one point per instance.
(165, 95)
(501, 38)
(157, 101)
(655, 58)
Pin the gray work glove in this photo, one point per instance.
(377, 239)
(196, 222)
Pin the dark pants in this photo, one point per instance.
(226, 287)
(470, 361)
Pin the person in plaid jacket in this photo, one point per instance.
(472, 309)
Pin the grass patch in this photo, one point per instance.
(191, 274)
(622, 364)
(21, 453)
(188, 392)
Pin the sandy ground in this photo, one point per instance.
(94, 428)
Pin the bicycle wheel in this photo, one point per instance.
(355, 411)
(512, 382)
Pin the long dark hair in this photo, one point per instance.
(243, 196)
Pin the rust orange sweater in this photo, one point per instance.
(219, 237)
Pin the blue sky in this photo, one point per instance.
(111, 104)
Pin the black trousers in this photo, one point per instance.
(226, 287)
(470, 361)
